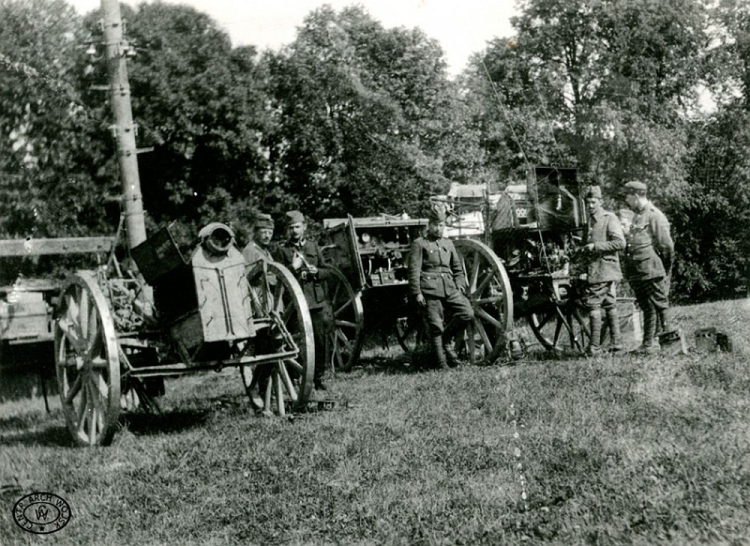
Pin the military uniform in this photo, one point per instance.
(648, 264)
(603, 272)
(436, 273)
(314, 288)
(603, 269)
(254, 253)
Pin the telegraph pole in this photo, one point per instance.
(124, 129)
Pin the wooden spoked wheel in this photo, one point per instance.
(490, 294)
(287, 382)
(348, 321)
(561, 328)
(87, 361)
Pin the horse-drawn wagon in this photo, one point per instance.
(535, 229)
(115, 331)
(371, 255)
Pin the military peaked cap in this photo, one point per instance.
(593, 191)
(295, 216)
(436, 213)
(263, 221)
(634, 186)
(625, 214)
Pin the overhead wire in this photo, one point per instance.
(529, 166)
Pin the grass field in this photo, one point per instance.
(636, 450)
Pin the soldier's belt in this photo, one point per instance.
(437, 273)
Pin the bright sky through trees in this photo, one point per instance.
(462, 27)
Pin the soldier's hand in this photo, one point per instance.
(589, 247)
(312, 271)
(296, 262)
(421, 301)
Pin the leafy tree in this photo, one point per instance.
(585, 81)
(201, 106)
(49, 184)
(712, 225)
(367, 119)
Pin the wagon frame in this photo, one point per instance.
(112, 340)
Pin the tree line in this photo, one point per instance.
(353, 117)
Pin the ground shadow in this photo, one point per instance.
(49, 435)
(165, 422)
(393, 365)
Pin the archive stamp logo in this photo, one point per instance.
(41, 513)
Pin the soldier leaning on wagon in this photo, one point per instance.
(259, 250)
(604, 241)
(648, 261)
(305, 259)
(437, 280)
(260, 247)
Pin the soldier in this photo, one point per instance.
(604, 240)
(260, 247)
(437, 280)
(259, 250)
(304, 258)
(648, 260)
(626, 219)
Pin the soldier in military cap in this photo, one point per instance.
(305, 259)
(260, 247)
(604, 240)
(437, 281)
(648, 261)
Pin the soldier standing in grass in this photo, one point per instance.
(259, 250)
(604, 241)
(437, 281)
(648, 262)
(260, 247)
(305, 259)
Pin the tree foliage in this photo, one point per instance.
(366, 117)
(353, 117)
(49, 184)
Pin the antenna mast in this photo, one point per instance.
(124, 128)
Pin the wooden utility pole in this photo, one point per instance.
(117, 49)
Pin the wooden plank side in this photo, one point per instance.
(69, 245)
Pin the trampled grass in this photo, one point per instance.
(638, 450)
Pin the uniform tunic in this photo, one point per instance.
(435, 271)
(315, 295)
(253, 253)
(648, 257)
(314, 289)
(603, 268)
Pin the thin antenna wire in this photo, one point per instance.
(505, 114)
(548, 119)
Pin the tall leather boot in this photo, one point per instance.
(453, 329)
(663, 315)
(595, 326)
(437, 346)
(613, 322)
(649, 331)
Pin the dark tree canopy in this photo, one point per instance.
(353, 117)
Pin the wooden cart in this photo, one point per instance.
(27, 304)
(114, 330)
(372, 255)
(535, 229)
